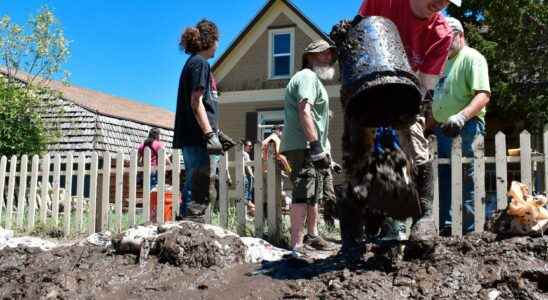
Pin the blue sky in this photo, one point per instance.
(129, 48)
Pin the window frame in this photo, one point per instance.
(271, 34)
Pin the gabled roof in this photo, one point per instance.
(108, 105)
(254, 21)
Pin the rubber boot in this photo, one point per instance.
(424, 228)
(351, 224)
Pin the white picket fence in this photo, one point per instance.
(34, 195)
(528, 165)
(39, 199)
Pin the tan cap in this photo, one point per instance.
(318, 46)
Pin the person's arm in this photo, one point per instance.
(199, 110)
(480, 100)
(307, 122)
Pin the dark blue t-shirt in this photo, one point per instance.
(196, 75)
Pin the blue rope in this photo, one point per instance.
(383, 135)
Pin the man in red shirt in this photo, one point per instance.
(426, 37)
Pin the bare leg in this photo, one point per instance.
(312, 219)
(298, 215)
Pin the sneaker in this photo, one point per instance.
(317, 243)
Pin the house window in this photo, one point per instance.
(281, 47)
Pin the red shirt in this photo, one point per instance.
(426, 41)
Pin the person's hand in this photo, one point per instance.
(320, 158)
(454, 125)
(226, 141)
(336, 167)
(213, 144)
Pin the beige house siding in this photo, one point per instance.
(251, 72)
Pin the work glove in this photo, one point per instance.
(226, 141)
(454, 125)
(213, 144)
(320, 158)
(336, 167)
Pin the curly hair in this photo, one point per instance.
(199, 38)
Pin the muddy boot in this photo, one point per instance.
(424, 229)
(352, 229)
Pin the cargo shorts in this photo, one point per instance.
(310, 185)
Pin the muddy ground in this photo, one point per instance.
(185, 266)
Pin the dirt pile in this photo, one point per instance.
(192, 246)
(476, 267)
(187, 263)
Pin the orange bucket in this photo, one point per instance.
(168, 206)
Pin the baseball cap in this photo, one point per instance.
(455, 24)
(318, 46)
(456, 2)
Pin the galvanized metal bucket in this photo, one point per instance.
(379, 87)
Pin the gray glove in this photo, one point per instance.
(336, 167)
(320, 158)
(213, 144)
(454, 125)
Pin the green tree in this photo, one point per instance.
(513, 36)
(31, 56)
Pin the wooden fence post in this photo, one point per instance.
(32, 195)
(223, 191)
(22, 199)
(103, 202)
(501, 170)
(435, 180)
(56, 188)
(525, 158)
(545, 160)
(80, 192)
(11, 190)
(259, 192)
(176, 182)
(119, 190)
(273, 196)
(67, 208)
(146, 184)
(239, 167)
(161, 186)
(3, 163)
(479, 183)
(456, 187)
(93, 192)
(44, 188)
(132, 187)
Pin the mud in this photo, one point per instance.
(474, 267)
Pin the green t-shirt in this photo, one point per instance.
(305, 85)
(464, 75)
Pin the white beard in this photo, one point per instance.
(325, 72)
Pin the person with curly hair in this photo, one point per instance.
(196, 119)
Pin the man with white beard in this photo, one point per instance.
(306, 145)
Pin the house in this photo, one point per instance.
(253, 72)
(90, 121)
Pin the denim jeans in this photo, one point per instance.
(471, 129)
(200, 170)
(153, 179)
(248, 188)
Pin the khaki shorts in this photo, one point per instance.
(310, 186)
